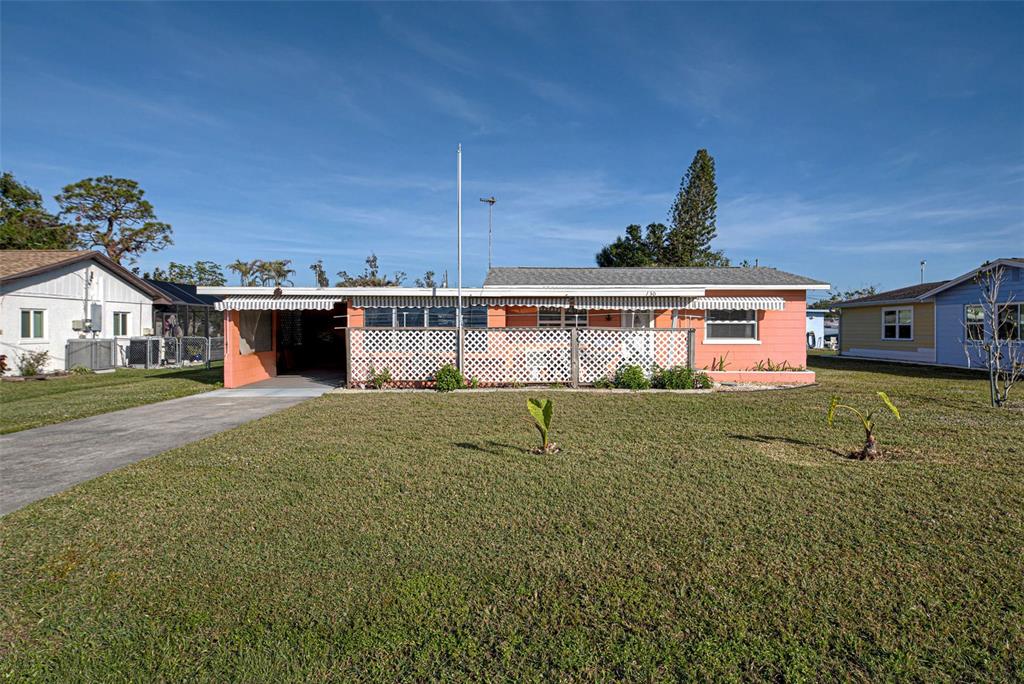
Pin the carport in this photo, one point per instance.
(273, 336)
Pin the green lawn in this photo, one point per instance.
(410, 536)
(32, 403)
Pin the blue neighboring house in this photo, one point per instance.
(958, 313)
(933, 323)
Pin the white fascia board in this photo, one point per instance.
(500, 291)
(345, 292)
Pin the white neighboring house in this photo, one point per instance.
(43, 291)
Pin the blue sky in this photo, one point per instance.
(851, 141)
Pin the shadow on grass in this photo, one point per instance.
(771, 439)
(892, 368)
(206, 376)
(490, 447)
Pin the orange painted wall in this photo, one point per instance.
(243, 369)
(601, 318)
(782, 334)
(495, 317)
(521, 316)
(355, 317)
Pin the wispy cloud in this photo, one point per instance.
(429, 47)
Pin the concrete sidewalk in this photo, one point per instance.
(37, 463)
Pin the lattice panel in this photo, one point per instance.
(507, 355)
(602, 352)
(409, 355)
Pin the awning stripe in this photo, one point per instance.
(562, 302)
(723, 303)
(322, 303)
(264, 303)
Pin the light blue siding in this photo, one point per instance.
(949, 315)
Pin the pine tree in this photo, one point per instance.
(693, 215)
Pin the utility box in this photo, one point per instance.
(96, 317)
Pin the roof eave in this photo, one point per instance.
(881, 302)
(138, 283)
(970, 274)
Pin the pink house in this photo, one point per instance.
(528, 325)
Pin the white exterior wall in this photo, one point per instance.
(60, 293)
(816, 325)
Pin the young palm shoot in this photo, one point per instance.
(870, 450)
(540, 410)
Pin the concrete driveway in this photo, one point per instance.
(37, 463)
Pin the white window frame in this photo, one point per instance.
(582, 320)
(967, 325)
(897, 310)
(629, 317)
(32, 325)
(124, 332)
(756, 339)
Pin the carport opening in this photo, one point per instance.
(311, 342)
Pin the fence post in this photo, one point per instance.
(574, 354)
(459, 362)
(209, 349)
(348, 355)
(689, 348)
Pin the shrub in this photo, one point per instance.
(448, 379)
(81, 370)
(32, 363)
(473, 383)
(702, 381)
(604, 383)
(379, 379)
(632, 378)
(676, 377)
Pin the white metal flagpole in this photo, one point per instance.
(458, 194)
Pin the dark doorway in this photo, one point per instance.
(310, 341)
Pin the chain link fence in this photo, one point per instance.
(172, 352)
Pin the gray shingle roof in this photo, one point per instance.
(511, 276)
(898, 295)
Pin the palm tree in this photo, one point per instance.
(245, 270)
(276, 272)
(320, 273)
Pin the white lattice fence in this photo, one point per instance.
(409, 355)
(508, 355)
(602, 352)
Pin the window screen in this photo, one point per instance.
(378, 317)
(731, 324)
(442, 317)
(474, 316)
(410, 317)
(255, 329)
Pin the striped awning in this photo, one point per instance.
(723, 303)
(268, 303)
(631, 303)
(557, 302)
